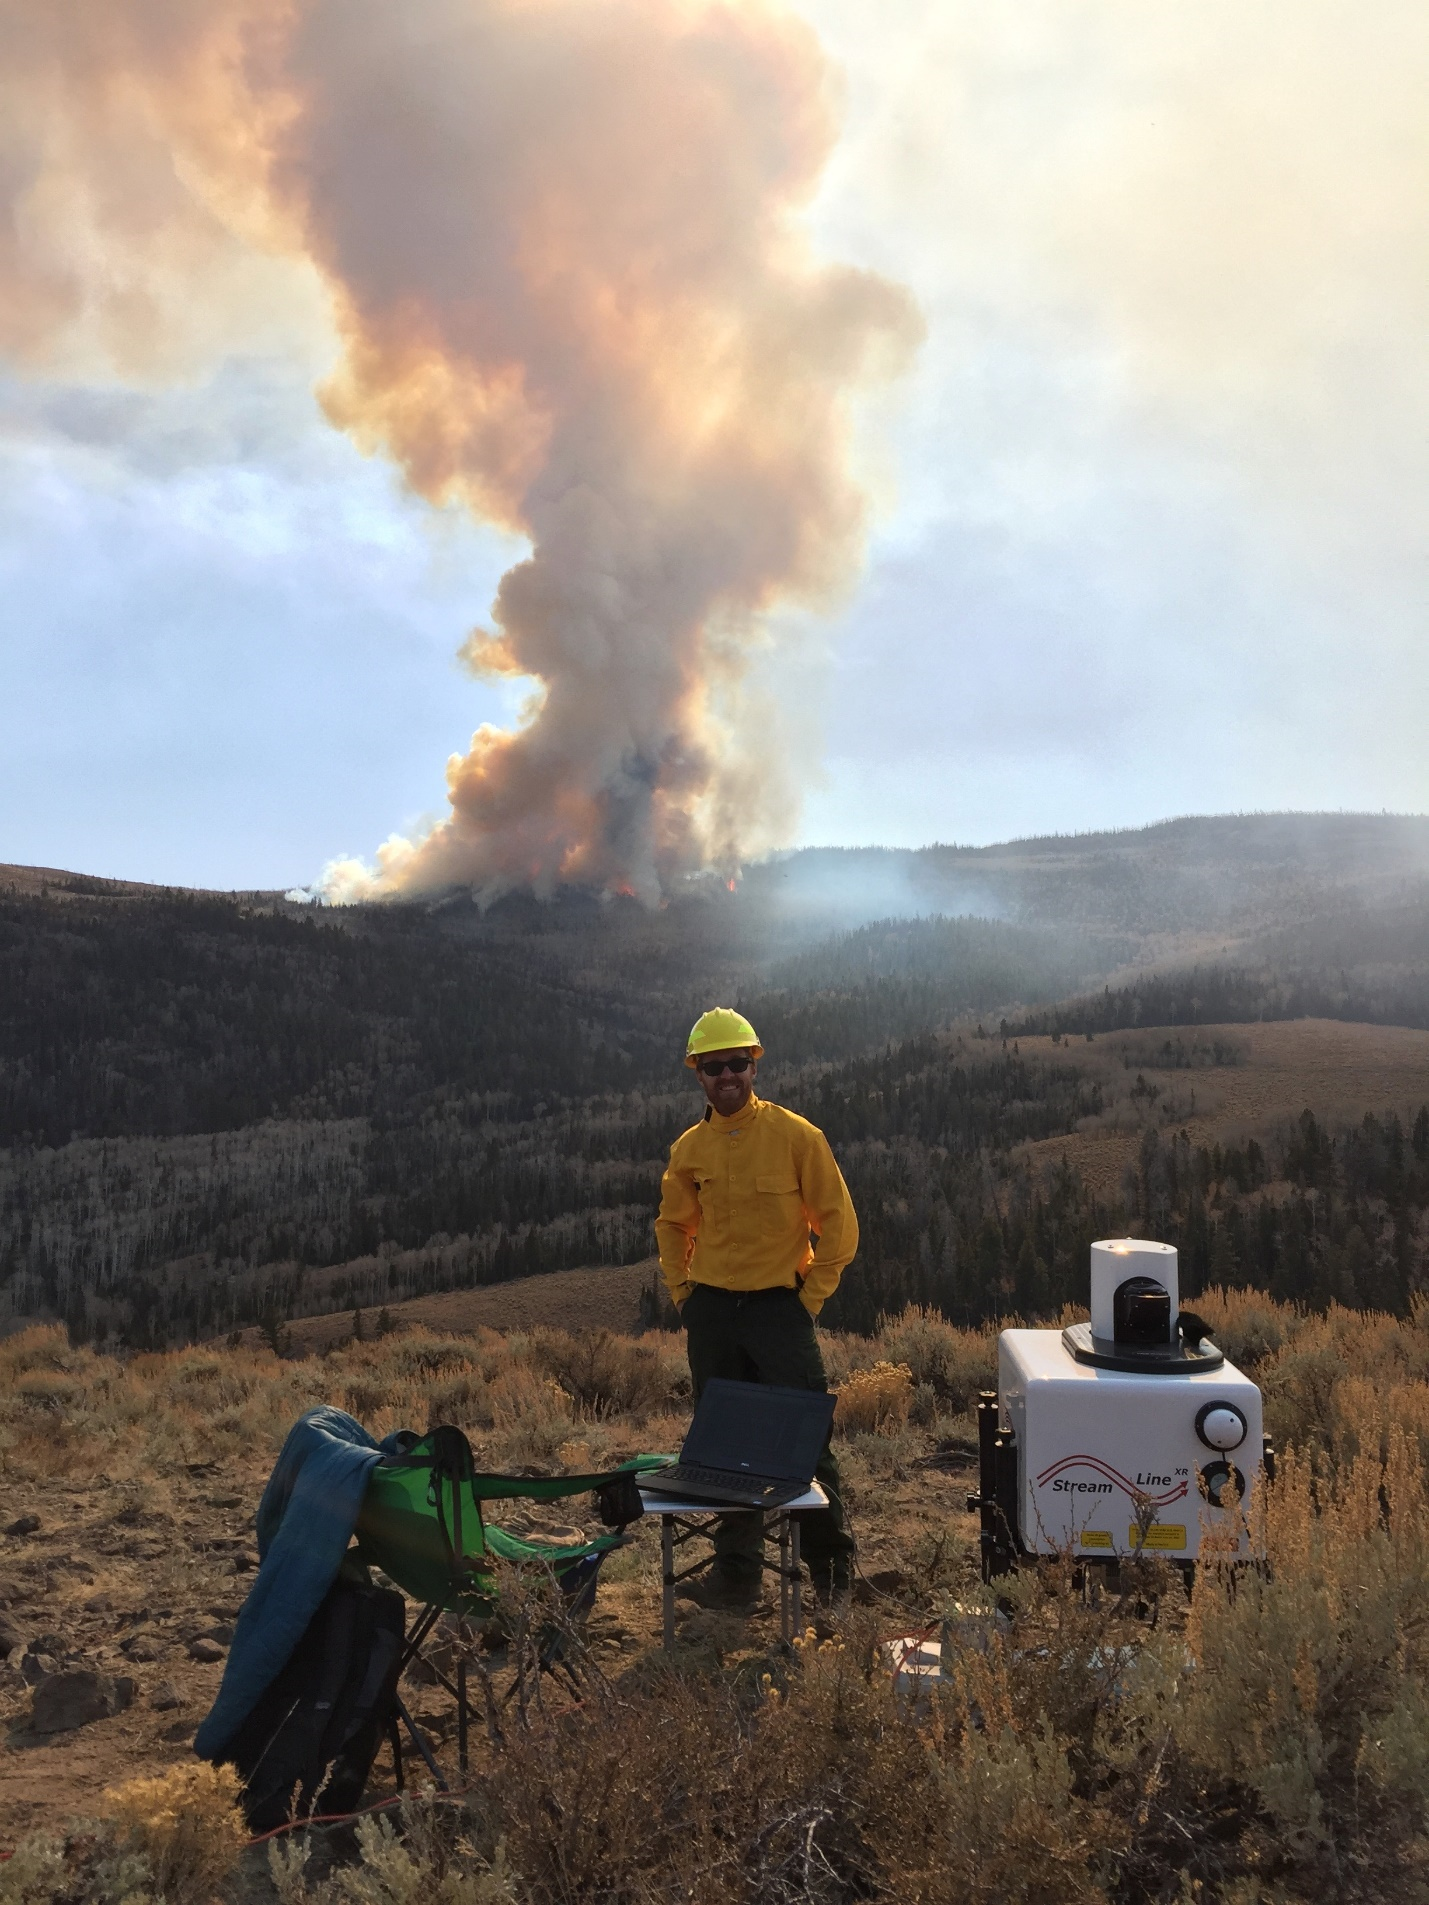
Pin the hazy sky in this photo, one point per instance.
(1151, 505)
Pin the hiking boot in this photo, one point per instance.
(832, 1583)
(722, 1591)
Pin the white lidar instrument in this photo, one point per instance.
(1130, 1433)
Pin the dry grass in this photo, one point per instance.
(184, 1826)
(1267, 1741)
(170, 1840)
(520, 1398)
(605, 1296)
(953, 1364)
(876, 1400)
(606, 1375)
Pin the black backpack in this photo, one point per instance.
(309, 1743)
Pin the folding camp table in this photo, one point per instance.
(683, 1520)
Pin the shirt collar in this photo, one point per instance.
(740, 1118)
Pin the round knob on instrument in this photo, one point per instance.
(1220, 1425)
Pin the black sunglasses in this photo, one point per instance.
(712, 1067)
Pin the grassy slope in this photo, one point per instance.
(606, 1296)
(1339, 1071)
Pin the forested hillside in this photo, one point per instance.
(207, 1106)
(219, 1110)
(1346, 962)
(186, 1013)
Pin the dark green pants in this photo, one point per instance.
(765, 1336)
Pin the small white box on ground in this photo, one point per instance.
(915, 1662)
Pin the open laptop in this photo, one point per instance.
(750, 1444)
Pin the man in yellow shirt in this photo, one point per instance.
(755, 1228)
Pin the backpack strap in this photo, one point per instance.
(450, 1460)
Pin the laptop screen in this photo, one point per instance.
(753, 1427)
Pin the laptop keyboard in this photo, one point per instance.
(730, 1485)
(716, 1477)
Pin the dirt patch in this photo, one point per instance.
(119, 1583)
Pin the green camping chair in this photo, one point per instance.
(421, 1522)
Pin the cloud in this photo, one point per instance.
(1162, 460)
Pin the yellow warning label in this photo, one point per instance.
(1161, 1534)
(1096, 1538)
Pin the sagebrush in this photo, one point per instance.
(1265, 1739)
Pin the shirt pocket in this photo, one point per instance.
(781, 1204)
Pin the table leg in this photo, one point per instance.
(784, 1633)
(795, 1591)
(667, 1576)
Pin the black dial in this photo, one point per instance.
(1221, 1483)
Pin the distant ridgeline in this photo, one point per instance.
(218, 1111)
(1380, 994)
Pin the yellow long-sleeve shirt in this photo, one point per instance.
(739, 1199)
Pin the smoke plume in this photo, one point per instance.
(562, 249)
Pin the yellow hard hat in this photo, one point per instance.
(722, 1030)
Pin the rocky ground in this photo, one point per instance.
(117, 1604)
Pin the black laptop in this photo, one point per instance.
(750, 1444)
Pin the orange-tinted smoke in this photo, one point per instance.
(561, 241)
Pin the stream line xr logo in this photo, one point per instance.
(1158, 1489)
